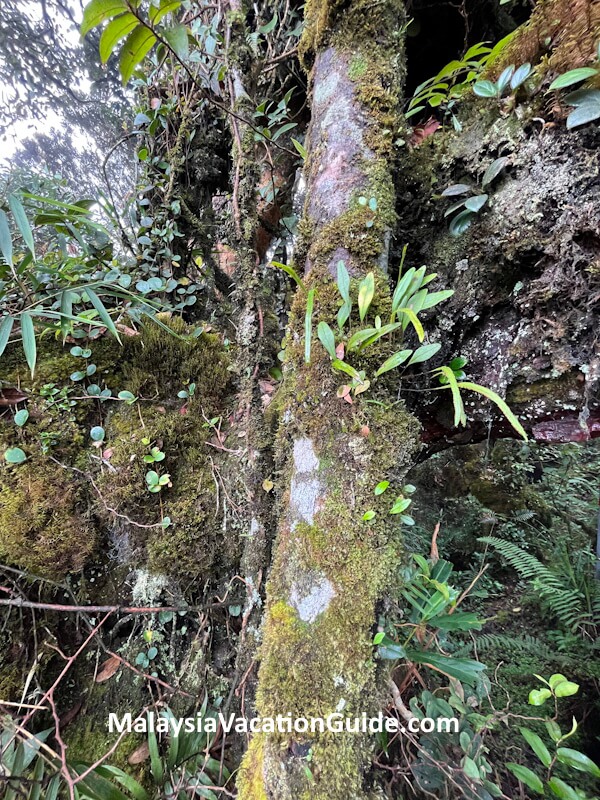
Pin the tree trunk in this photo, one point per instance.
(330, 567)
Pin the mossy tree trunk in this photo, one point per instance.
(330, 567)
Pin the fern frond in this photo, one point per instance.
(524, 563)
(520, 645)
(556, 590)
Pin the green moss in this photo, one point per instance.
(158, 365)
(45, 520)
(308, 668)
(358, 67)
(561, 33)
(44, 526)
(88, 738)
(361, 24)
(554, 391)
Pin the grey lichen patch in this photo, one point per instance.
(304, 497)
(311, 595)
(305, 458)
(305, 488)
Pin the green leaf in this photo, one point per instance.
(424, 353)
(129, 397)
(566, 689)
(6, 327)
(471, 769)
(80, 207)
(537, 697)
(463, 669)
(177, 38)
(369, 515)
(475, 204)
(300, 148)
(460, 418)
(66, 310)
(401, 290)
(584, 113)
(494, 169)
(456, 189)
(14, 455)
(555, 679)
(495, 398)
(459, 621)
(97, 11)
(366, 292)
(460, 223)
(391, 650)
(268, 27)
(537, 745)
(136, 47)
(6, 247)
(21, 417)
(573, 76)
(393, 361)
(485, 89)
(97, 434)
(114, 32)
(53, 787)
(310, 301)
(553, 729)
(434, 298)
(156, 766)
(454, 207)
(492, 788)
(20, 216)
(414, 320)
(132, 786)
(400, 505)
(526, 776)
(562, 789)
(520, 76)
(289, 270)
(38, 776)
(327, 338)
(342, 366)
(505, 77)
(381, 487)
(102, 312)
(343, 281)
(97, 787)
(165, 7)
(29, 343)
(577, 760)
(369, 336)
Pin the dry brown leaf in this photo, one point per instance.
(108, 669)
(139, 755)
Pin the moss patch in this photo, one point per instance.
(44, 523)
